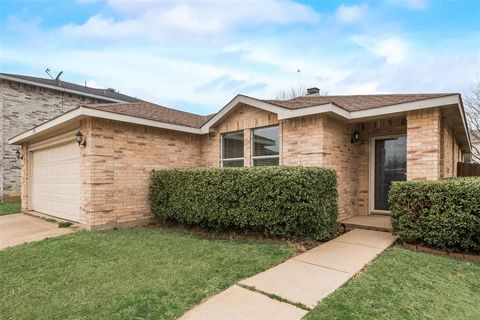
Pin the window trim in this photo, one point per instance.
(252, 145)
(221, 148)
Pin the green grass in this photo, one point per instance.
(125, 274)
(402, 284)
(9, 208)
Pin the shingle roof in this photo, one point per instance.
(151, 111)
(76, 87)
(355, 102)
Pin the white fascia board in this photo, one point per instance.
(284, 113)
(246, 100)
(89, 112)
(77, 112)
(322, 108)
(404, 107)
(80, 93)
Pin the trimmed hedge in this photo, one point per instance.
(442, 214)
(275, 201)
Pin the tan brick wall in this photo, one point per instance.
(367, 131)
(340, 154)
(243, 117)
(302, 141)
(116, 167)
(424, 144)
(447, 158)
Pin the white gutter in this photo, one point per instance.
(81, 93)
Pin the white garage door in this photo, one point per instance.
(55, 181)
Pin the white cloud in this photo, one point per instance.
(394, 50)
(350, 14)
(173, 20)
(202, 56)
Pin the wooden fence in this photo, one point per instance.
(468, 169)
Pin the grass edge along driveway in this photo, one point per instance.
(125, 274)
(403, 284)
(10, 208)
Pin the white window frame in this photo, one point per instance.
(252, 144)
(222, 159)
(371, 176)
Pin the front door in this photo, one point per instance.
(389, 164)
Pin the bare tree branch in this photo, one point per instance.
(472, 111)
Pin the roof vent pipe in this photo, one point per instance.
(313, 90)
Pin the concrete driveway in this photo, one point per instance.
(16, 229)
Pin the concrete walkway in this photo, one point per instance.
(290, 289)
(16, 229)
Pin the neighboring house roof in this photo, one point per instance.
(355, 102)
(354, 108)
(155, 112)
(104, 94)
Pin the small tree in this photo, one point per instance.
(472, 111)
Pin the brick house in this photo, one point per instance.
(28, 101)
(101, 180)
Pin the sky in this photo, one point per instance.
(197, 55)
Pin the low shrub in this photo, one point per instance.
(442, 214)
(275, 201)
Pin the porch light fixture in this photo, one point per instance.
(355, 137)
(19, 154)
(80, 139)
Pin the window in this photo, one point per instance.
(265, 148)
(232, 149)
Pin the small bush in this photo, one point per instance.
(441, 214)
(65, 224)
(274, 201)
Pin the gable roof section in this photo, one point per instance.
(65, 86)
(355, 102)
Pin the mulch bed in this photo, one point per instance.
(442, 252)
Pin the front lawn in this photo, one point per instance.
(9, 208)
(402, 284)
(125, 274)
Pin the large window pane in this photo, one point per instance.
(232, 145)
(265, 142)
(265, 162)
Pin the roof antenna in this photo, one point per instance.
(48, 72)
(57, 78)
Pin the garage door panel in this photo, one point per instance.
(55, 181)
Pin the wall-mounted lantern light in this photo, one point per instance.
(80, 139)
(19, 154)
(355, 137)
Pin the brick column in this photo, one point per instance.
(96, 163)
(423, 144)
(247, 147)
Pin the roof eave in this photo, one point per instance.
(83, 112)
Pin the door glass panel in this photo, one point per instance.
(390, 165)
